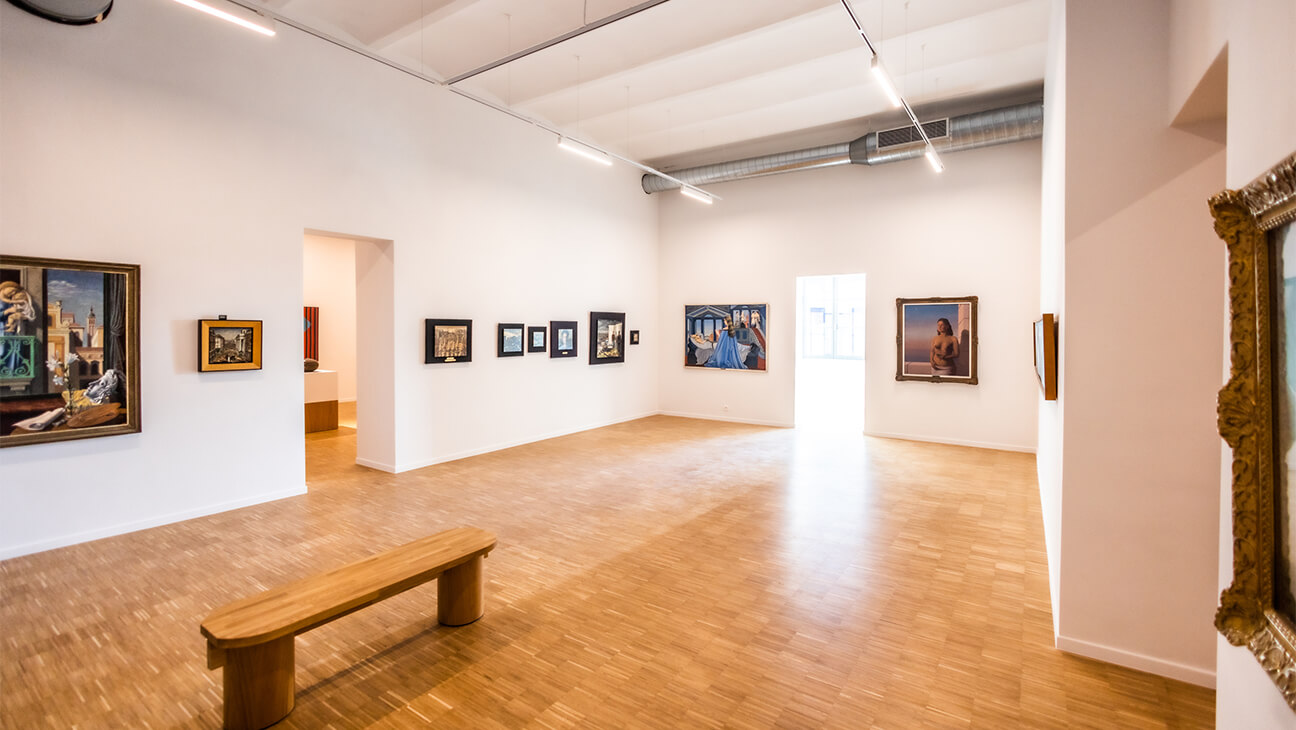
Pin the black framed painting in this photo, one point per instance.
(229, 344)
(447, 340)
(509, 340)
(537, 339)
(634, 337)
(69, 350)
(562, 338)
(607, 337)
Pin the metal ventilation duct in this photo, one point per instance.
(981, 129)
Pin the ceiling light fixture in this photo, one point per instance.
(588, 153)
(933, 159)
(892, 93)
(698, 195)
(885, 81)
(235, 14)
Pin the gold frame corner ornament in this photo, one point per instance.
(1247, 420)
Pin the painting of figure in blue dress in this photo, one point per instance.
(726, 336)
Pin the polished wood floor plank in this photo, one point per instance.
(662, 573)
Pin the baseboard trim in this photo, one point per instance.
(727, 419)
(13, 551)
(1141, 662)
(953, 442)
(500, 446)
(380, 466)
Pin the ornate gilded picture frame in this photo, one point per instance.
(1255, 417)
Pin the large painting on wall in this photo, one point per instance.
(726, 336)
(1257, 411)
(936, 339)
(69, 351)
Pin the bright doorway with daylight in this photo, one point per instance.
(830, 352)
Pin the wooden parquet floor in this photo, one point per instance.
(662, 573)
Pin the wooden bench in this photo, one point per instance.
(253, 638)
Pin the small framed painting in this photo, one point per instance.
(562, 338)
(69, 350)
(936, 339)
(509, 342)
(537, 340)
(634, 337)
(607, 337)
(447, 340)
(1046, 355)
(229, 344)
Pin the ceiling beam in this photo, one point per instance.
(555, 41)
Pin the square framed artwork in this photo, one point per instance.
(1046, 355)
(509, 342)
(69, 350)
(607, 337)
(634, 337)
(229, 344)
(447, 340)
(936, 339)
(537, 339)
(562, 338)
(726, 336)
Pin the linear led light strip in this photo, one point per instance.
(593, 152)
(888, 87)
(235, 14)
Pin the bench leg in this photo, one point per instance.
(459, 594)
(259, 684)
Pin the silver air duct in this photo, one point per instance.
(970, 131)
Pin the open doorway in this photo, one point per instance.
(329, 333)
(830, 352)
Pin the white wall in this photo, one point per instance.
(1134, 429)
(972, 230)
(202, 152)
(328, 282)
(1261, 105)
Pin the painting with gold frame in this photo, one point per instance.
(1256, 406)
(229, 344)
(69, 350)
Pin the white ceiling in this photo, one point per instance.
(691, 82)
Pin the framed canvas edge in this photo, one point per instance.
(1246, 410)
(1048, 333)
(554, 326)
(703, 368)
(134, 422)
(207, 367)
(499, 339)
(429, 326)
(593, 337)
(971, 378)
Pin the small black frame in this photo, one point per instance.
(634, 337)
(562, 338)
(505, 328)
(606, 338)
(455, 342)
(543, 333)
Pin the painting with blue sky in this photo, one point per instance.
(79, 291)
(929, 351)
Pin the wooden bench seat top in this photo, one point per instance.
(304, 604)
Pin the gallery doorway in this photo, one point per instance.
(830, 352)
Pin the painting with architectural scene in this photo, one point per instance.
(937, 339)
(68, 351)
(229, 344)
(447, 340)
(726, 336)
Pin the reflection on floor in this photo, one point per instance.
(347, 414)
(660, 573)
